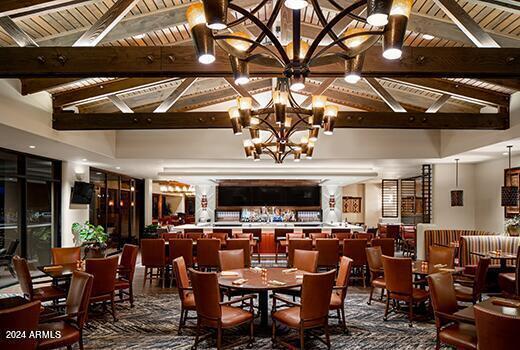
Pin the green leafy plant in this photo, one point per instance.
(514, 221)
(90, 235)
(150, 231)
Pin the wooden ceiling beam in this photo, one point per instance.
(15, 7)
(513, 84)
(320, 90)
(34, 85)
(180, 61)
(120, 104)
(437, 105)
(242, 91)
(176, 94)
(16, 33)
(220, 120)
(385, 95)
(105, 23)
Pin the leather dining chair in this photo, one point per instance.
(71, 323)
(297, 243)
(399, 287)
(214, 314)
(255, 237)
(328, 252)
(312, 311)
(470, 290)
(231, 259)
(222, 236)
(181, 247)
(355, 249)
(509, 282)
(20, 318)
(194, 235)
(438, 255)
(6, 256)
(450, 329)
(184, 289)
(387, 245)
(315, 235)
(335, 231)
(364, 235)
(339, 291)
(304, 260)
(496, 331)
(207, 253)
(243, 244)
(46, 293)
(153, 256)
(307, 232)
(375, 267)
(69, 255)
(343, 235)
(170, 235)
(279, 233)
(103, 288)
(126, 272)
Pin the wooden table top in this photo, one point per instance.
(427, 269)
(10, 302)
(256, 283)
(469, 313)
(59, 271)
(500, 256)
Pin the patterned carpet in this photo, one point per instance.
(152, 324)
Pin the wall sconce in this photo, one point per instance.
(204, 202)
(332, 202)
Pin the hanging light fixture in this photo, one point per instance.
(353, 68)
(457, 196)
(509, 194)
(298, 58)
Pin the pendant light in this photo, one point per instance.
(457, 196)
(509, 193)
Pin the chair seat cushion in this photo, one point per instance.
(291, 317)
(463, 293)
(460, 335)
(121, 284)
(379, 283)
(48, 293)
(507, 282)
(69, 335)
(295, 291)
(335, 301)
(420, 294)
(233, 316)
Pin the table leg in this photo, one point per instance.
(264, 309)
(503, 265)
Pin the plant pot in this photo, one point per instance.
(513, 230)
(94, 252)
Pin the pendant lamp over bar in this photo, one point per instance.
(509, 193)
(457, 196)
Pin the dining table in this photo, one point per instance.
(60, 272)
(503, 257)
(423, 268)
(10, 302)
(275, 278)
(506, 307)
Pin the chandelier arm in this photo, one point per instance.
(271, 153)
(329, 27)
(351, 15)
(259, 56)
(375, 34)
(292, 129)
(265, 29)
(323, 22)
(270, 127)
(225, 47)
(253, 11)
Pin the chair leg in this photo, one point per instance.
(273, 334)
(370, 295)
(69, 347)
(302, 338)
(327, 336)
(343, 319)
(385, 317)
(339, 316)
(252, 332)
(131, 295)
(113, 306)
(11, 271)
(80, 339)
(410, 313)
(276, 253)
(194, 347)
(382, 294)
(219, 338)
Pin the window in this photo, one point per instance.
(390, 198)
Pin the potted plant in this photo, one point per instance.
(150, 231)
(513, 226)
(93, 239)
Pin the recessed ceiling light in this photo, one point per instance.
(84, 160)
(428, 37)
(118, 167)
(139, 36)
(505, 154)
(32, 147)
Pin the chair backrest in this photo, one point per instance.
(328, 251)
(398, 275)
(207, 252)
(374, 259)
(281, 232)
(316, 292)
(441, 255)
(79, 295)
(20, 318)
(480, 277)
(297, 243)
(293, 235)
(496, 331)
(67, 255)
(128, 261)
(104, 271)
(364, 235)
(345, 268)
(181, 247)
(227, 231)
(387, 245)
(309, 231)
(24, 276)
(193, 235)
(393, 231)
(305, 260)
(181, 276)
(256, 232)
(231, 259)
(243, 244)
(222, 236)
(335, 231)
(317, 235)
(343, 235)
(207, 294)
(372, 230)
(355, 249)
(11, 249)
(242, 235)
(153, 252)
(442, 296)
(171, 235)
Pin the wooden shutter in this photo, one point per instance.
(390, 193)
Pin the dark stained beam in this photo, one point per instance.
(16, 33)
(180, 62)
(220, 120)
(34, 85)
(14, 7)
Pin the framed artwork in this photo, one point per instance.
(352, 204)
(512, 179)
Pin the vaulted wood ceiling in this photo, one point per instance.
(162, 23)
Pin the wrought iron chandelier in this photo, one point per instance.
(208, 19)
(282, 120)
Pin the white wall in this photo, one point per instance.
(71, 213)
(444, 215)
(372, 204)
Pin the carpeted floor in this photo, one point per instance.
(152, 324)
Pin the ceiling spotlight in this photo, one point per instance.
(118, 167)
(392, 54)
(32, 147)
(139, 36)
(377, 12)
(84, 160)
(428, 37)
(296, 4)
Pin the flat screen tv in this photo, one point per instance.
(241, 196)
(82, 193)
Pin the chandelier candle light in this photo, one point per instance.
(298, 57)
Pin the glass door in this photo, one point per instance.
(40, 221)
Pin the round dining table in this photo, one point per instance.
(261, 286)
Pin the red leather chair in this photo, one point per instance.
(20, 318)
(104, 271)
(153, 256)
(46, 293)
(126, 272)
(69, 255)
